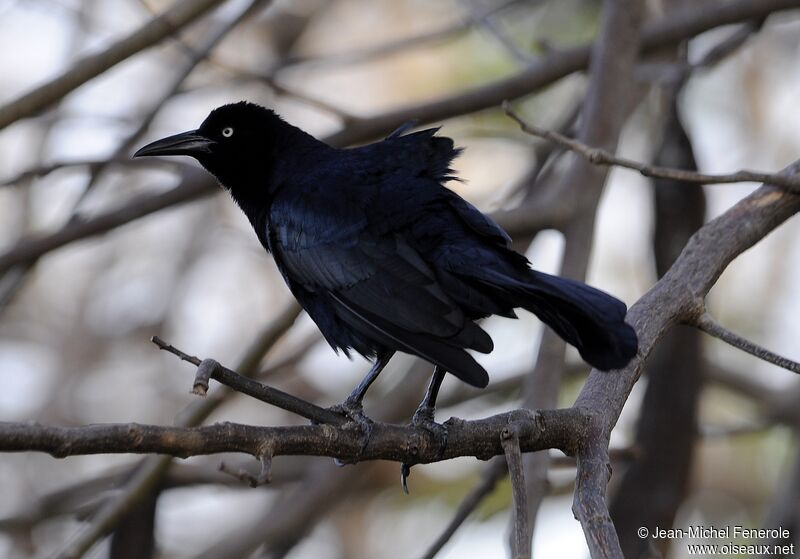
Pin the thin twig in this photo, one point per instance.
(599, 156)
(711, 327)
(263, 477)
(675, 74)
(211, 369)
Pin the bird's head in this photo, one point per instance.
(234, 143)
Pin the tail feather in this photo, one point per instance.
(585, 317)
(589, 319)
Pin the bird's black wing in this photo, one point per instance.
(377, 283)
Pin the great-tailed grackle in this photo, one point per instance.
(381, 255)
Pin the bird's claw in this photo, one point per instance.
(423, 418)
(405, 471)
(357, 419)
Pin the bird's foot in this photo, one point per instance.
(357, 420)
(423, 419)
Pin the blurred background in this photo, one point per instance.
(76, 317)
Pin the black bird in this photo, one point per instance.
(381, 255)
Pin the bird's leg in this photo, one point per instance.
(353, 407)
(427, 408)
(424, 417)
(354, 402)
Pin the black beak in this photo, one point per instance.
(186, 143)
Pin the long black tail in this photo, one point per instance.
(587, 318)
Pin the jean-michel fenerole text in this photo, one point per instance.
(723, 532)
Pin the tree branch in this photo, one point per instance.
(521, 537)
(599, 156)
(400, 443)
(677, 297)
(711, 327)
(208, 369)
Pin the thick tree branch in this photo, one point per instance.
(401, 443)
(677, 297)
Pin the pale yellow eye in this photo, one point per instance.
(227, 131)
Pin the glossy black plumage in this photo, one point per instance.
(380, 254)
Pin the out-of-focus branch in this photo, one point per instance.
(783, 510)
(91, 164)
(499, 33)
(604, 112)
(196, 56)
(657, 480)
(599, 156)
(88, 495)
(193, 185)
(678, 26)
(428, 38)
(711, 327)
(675, 74)
(492, 474)
(178, 16)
